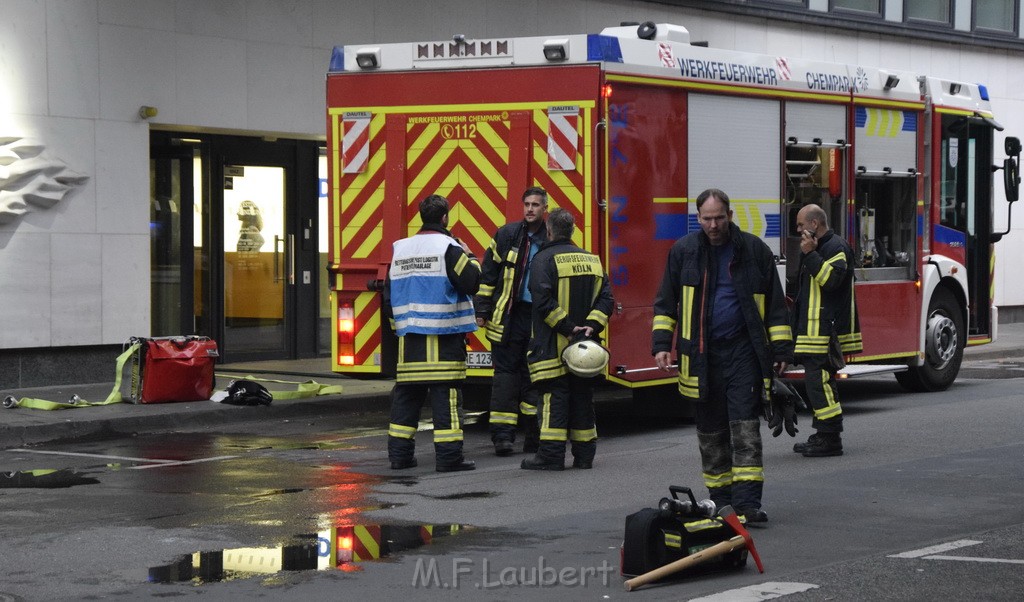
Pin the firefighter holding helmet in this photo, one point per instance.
(504, 307)
(722, 302)
(428, 299)
(571, 300)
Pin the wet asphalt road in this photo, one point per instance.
(81, 519)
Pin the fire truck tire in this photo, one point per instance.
(945, 339)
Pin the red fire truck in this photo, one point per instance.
(624, 128)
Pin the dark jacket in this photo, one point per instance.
(825, 303)
(687, 291)
(501, 276)
(569, 289)
(421, 357)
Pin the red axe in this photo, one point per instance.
(742, 539)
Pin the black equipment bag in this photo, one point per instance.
(655, 537)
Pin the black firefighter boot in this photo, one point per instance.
(827, 444)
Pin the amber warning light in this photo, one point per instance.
(346, 334)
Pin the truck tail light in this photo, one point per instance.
(346, 333)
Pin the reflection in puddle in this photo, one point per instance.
(334, 548)
(44, 479)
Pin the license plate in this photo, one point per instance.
(478, 359)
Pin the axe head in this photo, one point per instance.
(728, 515)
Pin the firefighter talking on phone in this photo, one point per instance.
(825, 314)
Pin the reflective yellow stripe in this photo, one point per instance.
(672, 540)
(400, 431)
(583, 435)
(759, 300)
(598, 316)
(780, 333)
(504, 418)
(832, 407)
(686, 302)
(826, 268)
(747, 473)
(526, 409)
(555, 316)
(447, 435)
(664, 323)
(549, 434)
(461, 264)
(430, 375)
(486, 290)
(453, 410)
(701, 525)
(712, 481)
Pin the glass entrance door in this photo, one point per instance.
(259, 259)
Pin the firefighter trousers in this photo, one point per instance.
(445, 398)
(822, 394)
(566, 413)
(729, 426)
(512, 393)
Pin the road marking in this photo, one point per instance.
(972, 559)
(151, 462)
(942, 547)
(754, 593)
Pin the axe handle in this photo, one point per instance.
(706, 554)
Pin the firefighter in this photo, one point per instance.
(825, 314)
(571, 299)
(428, 297)
(504, 307)
(722, 301)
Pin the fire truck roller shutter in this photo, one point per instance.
(735, 145)
(885, 139)
(807, 121)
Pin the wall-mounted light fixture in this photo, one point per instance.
(556, 50)
(954, 89)
(146, 112)
(368, 58)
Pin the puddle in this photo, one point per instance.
(337, 548)
(44, 479)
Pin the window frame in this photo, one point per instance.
(1009, 33)
(922, 22)
(842, 10)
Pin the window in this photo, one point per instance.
(995, 15)
(873, 7)
(938, 12)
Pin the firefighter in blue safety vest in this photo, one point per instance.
(428, 297)
(722, 301)
(825, 314)
(504, 307)
(571, 299)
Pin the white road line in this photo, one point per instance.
(942, 547)
(83, 455)
(181, 463)
(754, 593)
(971, 559)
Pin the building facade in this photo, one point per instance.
(161, 161)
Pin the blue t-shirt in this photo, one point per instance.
(726, 317)
(524, 294)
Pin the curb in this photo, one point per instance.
(12, 436)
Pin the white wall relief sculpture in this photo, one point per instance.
(30, 180)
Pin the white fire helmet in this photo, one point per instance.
(585, 358)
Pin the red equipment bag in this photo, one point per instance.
(173, 369)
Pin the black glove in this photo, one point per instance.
(783, 409)
(247, 393)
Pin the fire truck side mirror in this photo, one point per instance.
(1012, 146)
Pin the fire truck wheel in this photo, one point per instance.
(945, 338)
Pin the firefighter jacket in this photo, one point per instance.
(825, 303)
(433, 311)
(569, 289)
(501, 278)
(683, 303)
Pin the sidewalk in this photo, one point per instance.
(22, 426)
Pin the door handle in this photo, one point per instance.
(291, 259)
(277, 259)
